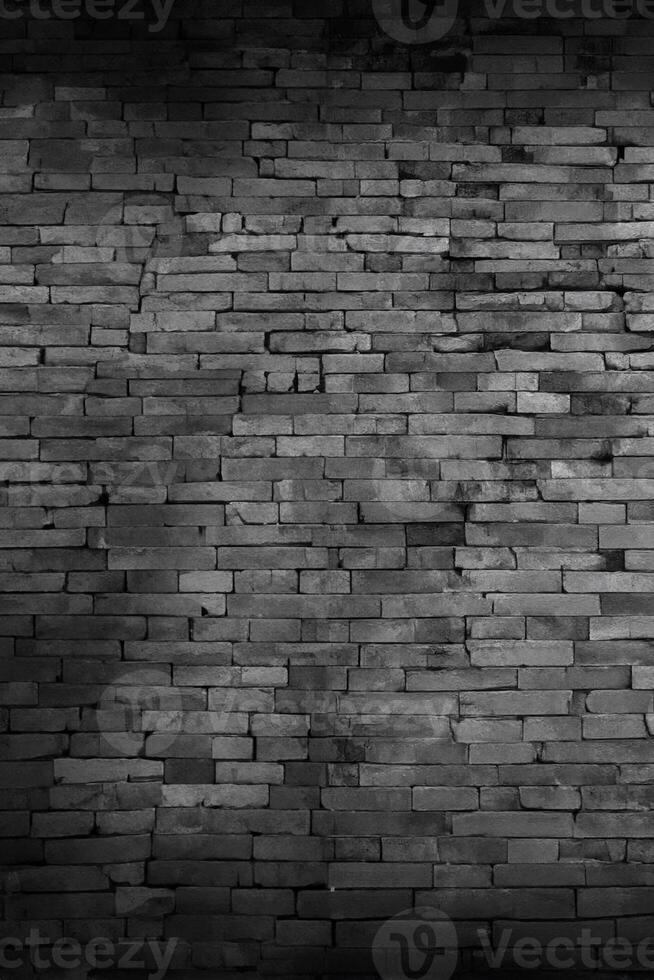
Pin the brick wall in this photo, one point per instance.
(327, 412)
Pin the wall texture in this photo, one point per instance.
(327, 425)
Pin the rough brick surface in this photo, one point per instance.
(327, 416)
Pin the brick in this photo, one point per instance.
(518, 824)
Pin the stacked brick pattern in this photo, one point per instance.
(327, 413)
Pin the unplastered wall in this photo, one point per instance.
(326, 414)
